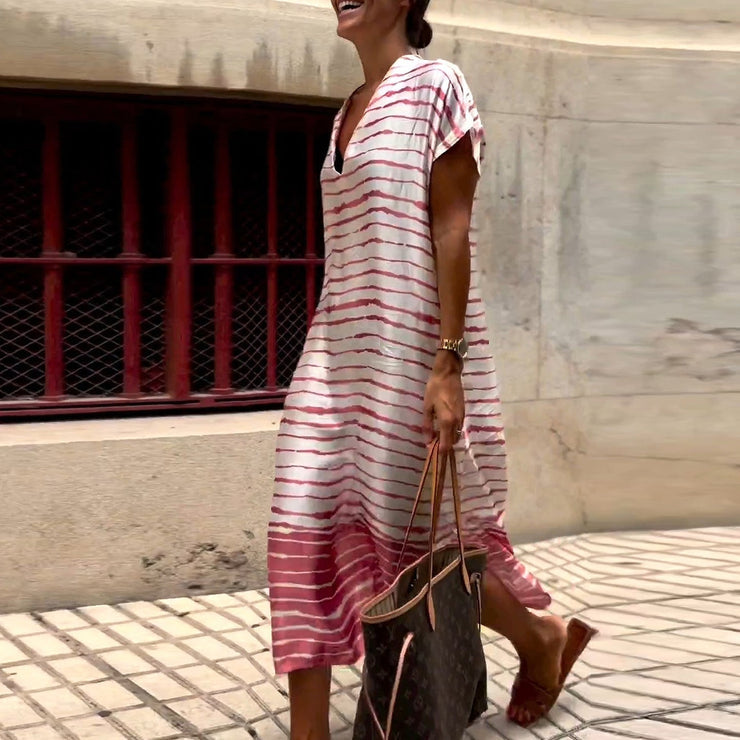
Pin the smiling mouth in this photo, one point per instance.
(348, 6)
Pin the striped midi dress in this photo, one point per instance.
(350, 445)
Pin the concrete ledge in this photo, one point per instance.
(118, 430)
(134, 509)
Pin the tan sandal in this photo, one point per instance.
(537, 700)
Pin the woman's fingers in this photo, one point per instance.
(449, 433)
(444, 411)
(428, 423)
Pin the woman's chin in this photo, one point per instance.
(347, 30)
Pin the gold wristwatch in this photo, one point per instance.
(458, 346)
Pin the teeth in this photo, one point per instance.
(349, 5)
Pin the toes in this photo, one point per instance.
(519, 716)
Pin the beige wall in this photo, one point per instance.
(611, 222)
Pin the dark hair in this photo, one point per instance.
(418, 31)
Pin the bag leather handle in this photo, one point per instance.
(419, 492)
(438, 468)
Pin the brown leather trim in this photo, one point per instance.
(366, 619)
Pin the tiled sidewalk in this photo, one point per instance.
(667, 665)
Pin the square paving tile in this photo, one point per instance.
(205, 679)
(146, 723)
(201, 714)
(14, 712)
(176, 626)
(30, 677)
(170, 655)
(104, 614)
(76, 670)
(64, 619)
(94, 639)
(127, 662)
(18, 625)
(708, 719)
(43, 732)
(233, 734)
(110, 695)
(46, 646)
(62, 703)
(10, 653)
(654, 729)
(93, 728)
(161, 687)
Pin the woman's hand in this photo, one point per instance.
(444, 402)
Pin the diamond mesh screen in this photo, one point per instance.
(153, 155)
(21, 334)
(320, 146)
(202, 189)
(91, 189)
(21, 143)
(93, 332)
(249, 192)
(291, 161)
(249, 365)
(202, 362)
(153, 372)
(292, 321)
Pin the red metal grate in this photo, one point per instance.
(155, 254)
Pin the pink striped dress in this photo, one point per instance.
(350, 446)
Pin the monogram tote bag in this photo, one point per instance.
(425, 671)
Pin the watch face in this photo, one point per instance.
(463, 349)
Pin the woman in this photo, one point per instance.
(384, 367)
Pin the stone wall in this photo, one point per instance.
(610, 225)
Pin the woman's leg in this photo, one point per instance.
(310, 692)
(539, 641)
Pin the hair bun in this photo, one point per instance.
(425, 35)
(418, 31)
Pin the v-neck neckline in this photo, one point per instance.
(342, 117)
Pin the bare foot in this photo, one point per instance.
(540, 662)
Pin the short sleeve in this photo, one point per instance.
(455, 114)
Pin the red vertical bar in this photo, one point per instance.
(179, 241)
(310, 222)
(131, 273)
(224, 285)
(272, 252)
(53, 277)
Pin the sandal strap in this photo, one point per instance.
(525, 690)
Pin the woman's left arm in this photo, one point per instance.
(453, 182)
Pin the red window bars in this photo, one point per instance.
(154, 254)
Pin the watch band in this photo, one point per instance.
(453, 345)
(458, 346)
